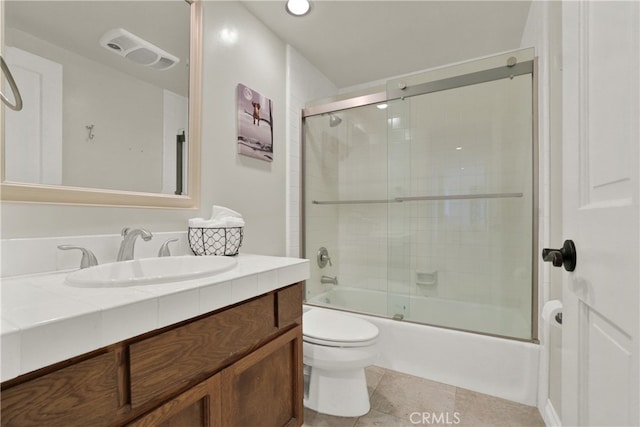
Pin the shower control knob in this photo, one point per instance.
(562, 257)
(323, 257)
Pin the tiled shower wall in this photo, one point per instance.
(322, 221)
(304, 83)
(479, 249)
(363, 228)
(472, 140)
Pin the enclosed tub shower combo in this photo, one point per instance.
(419, 207)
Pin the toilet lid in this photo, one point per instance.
(323, 326)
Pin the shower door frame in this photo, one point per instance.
(478, 77)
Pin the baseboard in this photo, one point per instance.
(550, 416)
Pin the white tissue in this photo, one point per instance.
(549, 311)
(235, 222)
(220, 212)
(196, 222)
(221, 217)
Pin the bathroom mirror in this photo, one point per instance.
(111, 94)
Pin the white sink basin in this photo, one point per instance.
(149, 271)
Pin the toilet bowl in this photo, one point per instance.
(337, 347)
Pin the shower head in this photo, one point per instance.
(334, 120)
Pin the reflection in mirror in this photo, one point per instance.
(106, 94)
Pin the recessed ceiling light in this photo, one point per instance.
(382, 106)
(458, 148)
(298, 7)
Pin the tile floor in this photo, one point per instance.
(399, 400)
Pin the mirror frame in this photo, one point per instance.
(54, 194)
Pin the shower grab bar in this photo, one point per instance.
(14, 88)
(419, 198)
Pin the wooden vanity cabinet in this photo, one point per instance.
(191, 352)
(239, 366)
(81, 389)
(266, 385)
(198, 406)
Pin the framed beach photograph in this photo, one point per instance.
(255, 124)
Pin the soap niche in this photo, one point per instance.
(426, 279)
(427, 284)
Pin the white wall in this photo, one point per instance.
(256, 189)
(256, 58)
(543, 31)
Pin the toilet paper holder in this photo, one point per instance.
(552, 313)
(559, 318)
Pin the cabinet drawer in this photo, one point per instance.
(166, 362)
(198, 406)
(289, 302)
(85, 393)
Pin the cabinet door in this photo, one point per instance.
(265, 388)
(197, 407)
(80, 394)
(162, 364)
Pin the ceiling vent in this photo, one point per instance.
(138, 50)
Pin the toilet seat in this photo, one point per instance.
(328, 343)
(333, 329)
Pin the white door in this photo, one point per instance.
(33, 135)
(601, 115)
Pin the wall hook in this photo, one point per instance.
(90, 129)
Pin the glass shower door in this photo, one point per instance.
(399, 244)
(461, 176)
(345, 169)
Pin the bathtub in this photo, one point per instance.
(496, 366)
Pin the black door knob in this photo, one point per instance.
(562, 257)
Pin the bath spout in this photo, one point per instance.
(329, 280)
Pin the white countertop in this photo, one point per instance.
(45, 321)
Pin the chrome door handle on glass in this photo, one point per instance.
(566, 256)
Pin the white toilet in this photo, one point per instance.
(337, 347)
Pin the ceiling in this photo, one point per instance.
(355, 42)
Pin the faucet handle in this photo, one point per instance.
(88, 258)
(323, 257)
(164, 249)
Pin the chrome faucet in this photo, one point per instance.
(128, 242)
